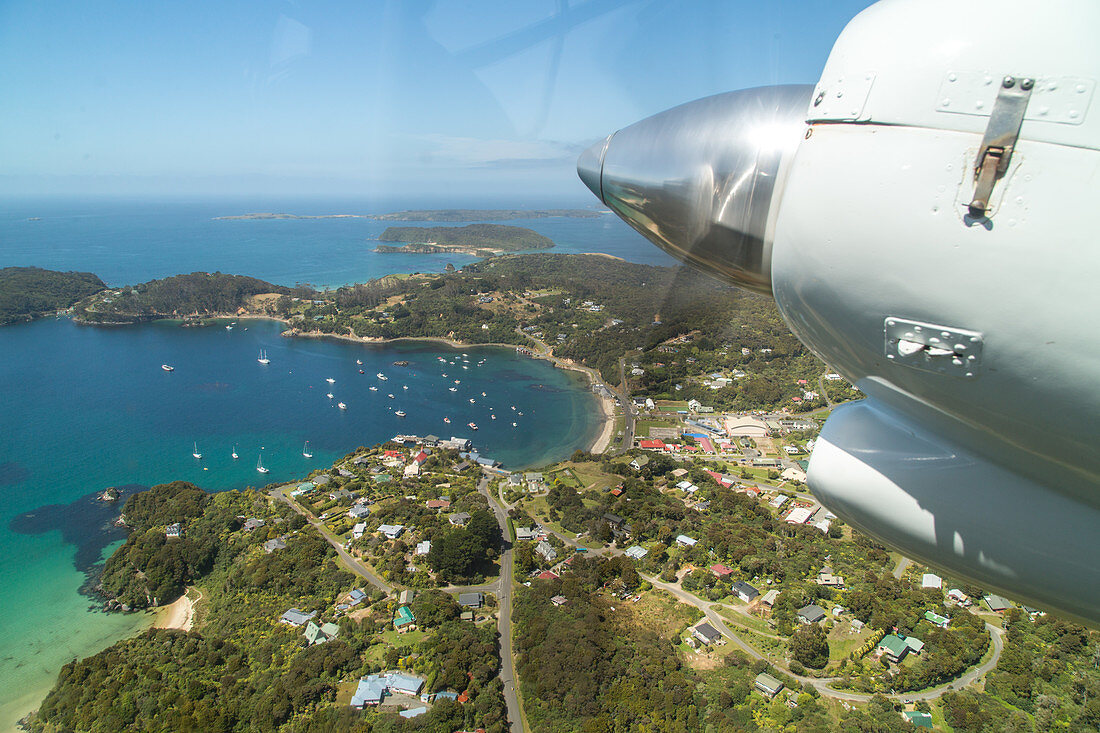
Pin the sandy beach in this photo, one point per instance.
(179, 614)
(607, 413)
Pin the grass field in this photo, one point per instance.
(641, 427)
(843, 641)
(751, 622)
(659, 611)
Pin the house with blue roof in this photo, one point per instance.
(370, 691)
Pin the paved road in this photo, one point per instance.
(628, 408)
(504, 616)
(351, 562)
(821, 684)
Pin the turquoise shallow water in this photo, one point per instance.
(84, 408)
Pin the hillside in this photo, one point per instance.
(196, 294)
(27, 292)
(474, 238)
(455, 215)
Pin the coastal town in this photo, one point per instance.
(686, 520)
(431, 536)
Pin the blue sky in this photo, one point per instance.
(246, 97)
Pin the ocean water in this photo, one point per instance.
(83, 408)
(127, 242)
(89, 407)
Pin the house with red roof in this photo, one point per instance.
(652, 444)
(720, 570)
(421, 457)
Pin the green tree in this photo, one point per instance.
(809, 646)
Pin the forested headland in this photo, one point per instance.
(675, 324)
(196, 294)
(29, 292)
(240, 669)
(475, 239)
(457, 215)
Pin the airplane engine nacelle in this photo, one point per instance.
(926, 218)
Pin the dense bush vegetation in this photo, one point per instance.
(26, 292)
(199, 293)
(491, 236)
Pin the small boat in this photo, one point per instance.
(472, 426)
(358, 361)
(492, 417)
(453, 389)
(381, 376)
(330, 380)
(513, 425)
(447, 420)
(329, 395)
(341, 405)
(458, 381)
(471, 400)
(195, 451)
(373, 388)
(305, 450)
(401, 362)
(229, 327)
(513, 407)
(362, 372)
(444, 375)
(482, 394)
(390, 395)
(263, 357)
(400, 413)
(260, 464)
(521, 414)
(465, 367)
(167, 368)
(235, 456)
(404, 386)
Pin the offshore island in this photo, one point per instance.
(678, 576)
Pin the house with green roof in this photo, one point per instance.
(404, 620)
(893, 647)
(919, 719)
(320, 634)
(936, 619)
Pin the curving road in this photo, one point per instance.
(349, 561)
(504, 616)
(821, 684)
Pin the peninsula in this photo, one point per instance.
(197, 295)
(480, 240)
(29, 292)
(268, 215)
(459, 215)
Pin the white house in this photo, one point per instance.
(358, 530)
(686, 541)
(392, 531)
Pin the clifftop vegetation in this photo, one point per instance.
(27, 292)
(196, 294)
(482, 236)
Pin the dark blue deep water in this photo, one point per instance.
(83, 408)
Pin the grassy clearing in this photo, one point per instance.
(661, 612)
(750, 622)
(641, 427)
(843, 641)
